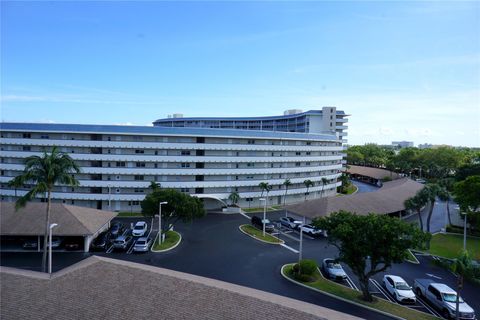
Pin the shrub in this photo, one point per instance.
(304, 278)
(295, 268)
(307, 267)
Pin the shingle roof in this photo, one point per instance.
(104, 288)
(72, 220)
(389, 198)
(376, 173)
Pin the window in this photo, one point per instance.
(298, 153)
(297, 164)
(44, 136)
(139, 151)
(26, 148)
(2, 172)
(156, 152)
(156, 165)
(185, 165)
(140, 164)
(184, 190)
(251, 141)
(133, 203)
(250, 164)
(236, 177)
(136, 190)
(120, 164)
(331, 117)
(185, 153)
(118, 177)
(118, 190)
(72, 201)
(109, 164)
(139, 178)
(109, 139)
(307, 163)
(308, 153)
(27, 135)
(109, 151)
(309, 143)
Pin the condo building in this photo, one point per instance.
(209, 158)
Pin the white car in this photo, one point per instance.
(139, 229)
(311, 230)
(142, 244)
(290, 222)
(399, 289)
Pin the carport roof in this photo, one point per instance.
(375, 173)
(72, 220)
(104, 288)
(388, 199)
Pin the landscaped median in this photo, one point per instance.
(258, 234)
(322, 285)
(172, 239)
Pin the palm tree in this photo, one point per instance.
(43, 173)
(234, 197)
(266, 187)
(308, 183)
(154, 186)
(446, 195)
(324, 182)
(345, 182)
(287, 183)
(430, 193)
(416, 203)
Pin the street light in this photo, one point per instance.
(301, 241)
(53, 225)
(160, 222)
(264, 213)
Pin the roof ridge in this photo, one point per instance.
(67, 207)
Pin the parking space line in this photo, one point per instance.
(435, 313)
(377, 285)
(351, 283)
(290, 237)
(151, 228)
(109, 250)
(246, 216)
(289, 248)
(130, 250)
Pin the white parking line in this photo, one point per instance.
(351, 283)
(151, 228)
(289, 248)
(435, 313)
(109, 250)
(379, 287)
(130, 250)
(246, 216)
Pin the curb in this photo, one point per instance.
(171, 248)
(410, 261)
(339, 298)
(276, 243)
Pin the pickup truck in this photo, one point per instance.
(443, 298)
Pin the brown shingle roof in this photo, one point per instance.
(103, 288)
(72, 220)
(375, 173)
(389, 198)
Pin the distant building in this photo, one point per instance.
(402, 144)
(425, 146)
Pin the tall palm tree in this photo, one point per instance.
(446, 195)
(154, 186)
(43, 173)
(265, 187)
(308, 183)
(234, 197)
(324, 182)
(430, 193)
(287, 183)
(416, 203)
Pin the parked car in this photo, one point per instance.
(139, 229)
(71, 245)
(258, 223)
(30, 244)
(333, 270)
(311, 230)
(290, 222)
(102, 241)
(443, 298)
(56, 242)
(399, 289)
(117, 229)
(142, 244)
(122, 242)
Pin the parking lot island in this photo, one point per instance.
(171, 241)
(257, 234)
(336, 290)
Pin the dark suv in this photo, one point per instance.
(257, 222)
(102, 242)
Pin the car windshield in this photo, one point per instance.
(451, 297)
(332, 265)
(118, 241)
(140, 242)
(138, 227)
(402, 286)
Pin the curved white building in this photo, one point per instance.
(118, 163)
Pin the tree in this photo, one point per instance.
(467, 193)
(265, 187)
(180, 206)
(430, 193)
(460, 267)
(416, 203)
(308, 183)
(154, 186)
(43, 173)
(446, 195)
(467, 170)
(324, 182)
(345, 182)
(234, 197)
(370, 244)
(287, 183)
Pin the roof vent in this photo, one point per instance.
(177, 115)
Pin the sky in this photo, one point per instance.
(402, 70)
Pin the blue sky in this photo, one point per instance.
(403, 70)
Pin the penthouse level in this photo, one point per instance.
(118, 163)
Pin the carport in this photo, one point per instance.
(74, 223)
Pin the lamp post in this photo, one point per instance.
(109, 197)
(264, 214)
(465, 232)
(301, 241)
(160, 222)
(53, 225)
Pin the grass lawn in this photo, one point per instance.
(353, 295)
(171, 239)
(256, 233)
(351, 189)
(411, 257)
(251, 210)
(451, 245)
(129, 214)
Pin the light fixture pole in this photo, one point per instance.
(160, 222)
(53, 225)
(264, 214)
(300, 250)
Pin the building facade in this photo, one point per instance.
(118, 163)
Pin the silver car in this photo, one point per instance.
(122, 242)
(333, 269)
(142, 244)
